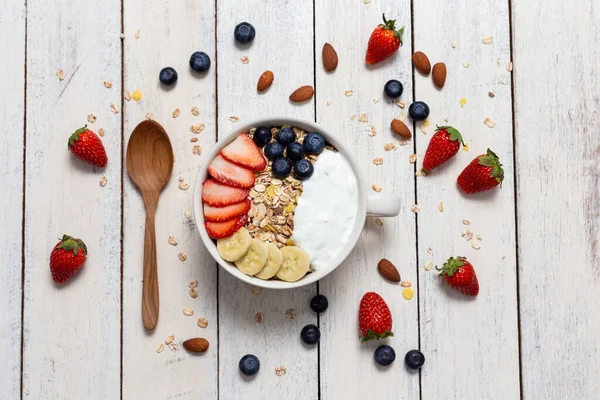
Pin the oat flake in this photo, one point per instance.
(150, 116)
(91, 118)
(202, 322)
(390, 147)
(453, 43)
(378, 161)
(193, 284)
(183, 186)
(160, 348)
(366, 1)
(424, 126)
(245, 60)
(127, 95)
(363, 118)
(172, 241)
(348, 93)
(466, 222)
(101, 132)
(400, 103)
(405, 284)
(61, 74)
(280, 371)
(291, 313)
(196, 128)
(412, 158)
(107, 84)
(441, 206)
(188, 213)
(182, 256)
(103, 181)
(234, 118)
(375, 101)
(259, 317)
(256, 290)
(170, 339)
(487, 40)
(509, 66)
(114, 109)
(193, 293)
(189, 312)
(197, 150)
(372, 130)
(415, 208)
(328, 103)
(376, 188)
(378, 221)
(479, 237)
(176, 112)
(475, 246)
(138, 33)
(429, 265)
(489, 122)
(466, 65)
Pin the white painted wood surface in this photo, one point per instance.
(12, 113)
(184, 27)
(72, 332)
(284, 45)
(348, 368)
(558, 186)
(79, 341)
(475, 339)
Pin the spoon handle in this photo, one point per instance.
(150, 286)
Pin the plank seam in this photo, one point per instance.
(23, 203)
(122, 233)
(515, 188)
(218, 269)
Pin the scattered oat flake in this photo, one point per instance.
(234, 118)
(101, 132)
(424, 126)
(463, 101)
(202, 322)
(419, 172)
(509, 66)
(353, 117)
(194, 139)
(107, 84)
(372, 130)
(182, 256)
(91, 118)
(492, 95)
(196, 128)
(375, 101)
(408, 293)
(429, 265)
(466, 65)
(244, 59)
(176, 112)
(172, 241)
(475, 246)
(138, 33)
(122, 35)
(487, 40)
(376, 188)
(378, 221)
(173, 347)
(103, 181)
(61, 74)
(466, 222)
(429, 251)
(390, 147)
(170, 339)
(453, 43)
(400, 103)
(503, 81)
(193, 284)
(328, 103)
(348, 93)
(291, 313)
(366, 1)
(402, 117)
(428, 320)
(479, 237)
(415, 208)
(114, 109)
(183, 186)
(489, 122)
(280, 371)
(466, 147)
(195, 111)
(127, 95)
(259, 317)
(363, 118)
(405, 284)
(193, 293)
(160, 348)
(378, 161)
(189, 312)
(446, 119)
(197, 150)
(188, 213)
(412, 158)
(441, 206)
(256, 290)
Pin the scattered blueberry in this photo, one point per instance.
(274, 150)
(310, 334)
(303, 169)
(281, 167)
(414, 359)
(393, 88)
(319, 303)
(262, 136)
(286, 136)
(200, 61)
(168, 76)
(384, 355)
(244, 32)
(249, 365)
(295, 151)
(418, 111)
(314, 143)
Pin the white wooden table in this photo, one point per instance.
(531, 333)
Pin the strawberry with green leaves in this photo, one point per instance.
(460, 275)
(384, 41)
(444, 144)
(87, 146)
(67, 258)
(374, 317)
(483, 173)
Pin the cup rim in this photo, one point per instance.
(210, 245)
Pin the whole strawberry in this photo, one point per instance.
(87, 146)
(483, 173)
(67, 258)
(384, 41)
(374, 317)
(444, 144)
(460, 275)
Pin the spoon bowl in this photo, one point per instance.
(150, 161)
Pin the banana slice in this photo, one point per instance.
(234, 247)
(295, 264)
(255, 259)
(273, 263)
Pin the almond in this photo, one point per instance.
(330, 58)
(387, 270)
(196, 345)
(422, 63)
(439, 75)
(401, 129)
(301, 94)
(265, 81)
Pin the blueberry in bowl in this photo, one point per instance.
(274, 150)
(262, 136)
(286, 136)
(295, 151)
(281, 167)
(303, 169)
(314, 143)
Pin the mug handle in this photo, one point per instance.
(383, 205)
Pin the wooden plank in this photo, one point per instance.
(347, 366)
(477, 340)
(184, 27)
(12, 112)
(558, 203)
(284, 45)
(72, 332)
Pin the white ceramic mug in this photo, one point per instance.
(369, 204)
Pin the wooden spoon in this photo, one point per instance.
(150, 164)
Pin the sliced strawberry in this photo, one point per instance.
(243, 151)
(218, 195)
(219, 214)
(230, 174)
(220, 230)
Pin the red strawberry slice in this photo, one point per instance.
(220, 230)
(230, 174)
(219, 214)
(243, 151)
(218, 195)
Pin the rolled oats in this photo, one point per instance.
(160, 348)
(412, 158)
(195, 128)
(173, 241)
(441, 206)
(114, 109)
(176, 112)
(202, 322)
(91, 118)
(363, 118)
(103, 181)
(376, 188)
(378, 221)
(150, 116)
(182, 257)
(107, 84)
(170, 339)
(197, 150)
(291, 313)
(101, 132)
(259, 317)
(234, 118)
(378, 161)
(390, 147)
(127, 95)
(348, 93)
(187, 311)
(61, 74)
(195, 111)
(280, 370)
(244, 59)
(193, 293)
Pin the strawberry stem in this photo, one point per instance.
(492, 160)
(71, 243)
(453, 132)
(391, 25)
(376, 336)
(451, 266)
(75, 136)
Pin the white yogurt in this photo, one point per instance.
(326, 210)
